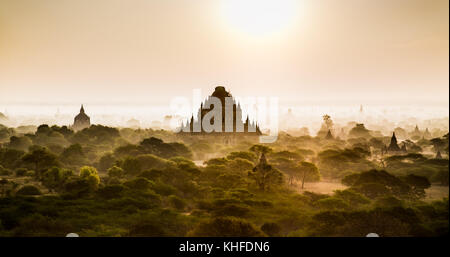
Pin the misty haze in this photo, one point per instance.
(337, 123)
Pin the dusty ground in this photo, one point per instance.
(436, 192)
(322, 187)
(200, 163)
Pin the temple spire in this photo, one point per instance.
(393, 146)
(329, 135)
(81, 121)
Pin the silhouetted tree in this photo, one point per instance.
(265, 175)
(308, 172)
(42, 159)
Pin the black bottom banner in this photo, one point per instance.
(191, 246)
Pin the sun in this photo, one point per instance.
(259, 17)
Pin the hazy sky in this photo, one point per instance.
(143, 51)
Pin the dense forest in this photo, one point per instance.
(105, 181)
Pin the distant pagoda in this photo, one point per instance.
(416, 132)
(81, 121)
(194, 126)
(393, 147)
(426, 134)
(329, 136)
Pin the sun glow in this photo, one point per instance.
(259, 17)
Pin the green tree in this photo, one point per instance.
(376, 183)
(106, 162)
(77, 188)
(20, 143)
(418, 184)
(332, 203)
(157, 147)
(439, 144)
(293, 156)
(4, 171)
(271, 229)
(242, 155)
(150, 161)
(131, 166)
(288, 166)
(73, 155)
(55, 177)
(260, 149)
(265, 175)
(115, 172)
(139, 184)
(20, 172)
(308, 172)
(240, 165)
(42, 159)
(216, 161)
(90, 174)
(177, 202)
(10, 158)
(351, 197)
(111, 191)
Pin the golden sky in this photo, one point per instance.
(144, 51)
